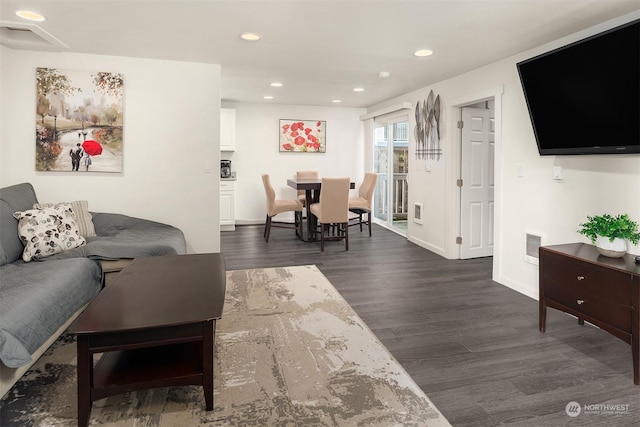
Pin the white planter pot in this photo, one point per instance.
(614, 249)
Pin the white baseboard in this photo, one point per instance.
(426, 245)
(518, 287)
(261, 221)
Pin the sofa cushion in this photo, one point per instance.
(81, 214)
(38, 298)
(14, 198)
(45, 232)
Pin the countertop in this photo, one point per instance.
(231, 178)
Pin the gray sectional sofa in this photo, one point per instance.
(40, 298)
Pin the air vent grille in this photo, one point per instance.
(532, 246)
(18, 35)
(417, 213)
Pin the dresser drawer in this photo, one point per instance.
(582, 279)
(617, 316)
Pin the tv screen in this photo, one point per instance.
(584, 98)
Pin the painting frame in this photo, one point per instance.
(79, 121)
(302, 136)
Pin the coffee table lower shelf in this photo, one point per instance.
(160, 357)
(125, 371)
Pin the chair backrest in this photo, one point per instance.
(367, 187)
(306, 175)
(269, 191)
(334, 200)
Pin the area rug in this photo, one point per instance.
(289, 350)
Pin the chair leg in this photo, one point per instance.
(267, 228)
(266, 223)
(298, 220)
(360, 220)
(322, 230)
(369, 222)
(299, 228)
(346, 235)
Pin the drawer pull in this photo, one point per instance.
(580, 278)
(580, 301)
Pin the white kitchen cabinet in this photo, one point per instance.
(227, 129)
(227, 206)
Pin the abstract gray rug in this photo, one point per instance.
(289, 352)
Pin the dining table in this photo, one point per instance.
(312, 188)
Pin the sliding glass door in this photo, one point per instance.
(391, 163)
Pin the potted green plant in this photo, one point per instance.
(609, 233)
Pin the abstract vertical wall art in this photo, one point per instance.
(427, 129)
(79, 121)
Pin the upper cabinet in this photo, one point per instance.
(227, 129)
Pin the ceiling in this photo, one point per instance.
(319, 49)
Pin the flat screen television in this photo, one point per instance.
(584, 98)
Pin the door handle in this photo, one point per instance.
(580, 278)
(580, 301)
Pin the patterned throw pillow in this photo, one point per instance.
(81, 214)
(45, 232)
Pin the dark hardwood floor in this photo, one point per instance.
(472, 344)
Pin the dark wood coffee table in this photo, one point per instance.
(155, 325)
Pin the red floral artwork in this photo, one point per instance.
(303, 136)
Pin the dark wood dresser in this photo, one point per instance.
(604, 291)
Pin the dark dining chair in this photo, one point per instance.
(333, 209)
(278, 206)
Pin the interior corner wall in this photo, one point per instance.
(171, 135)
(535, 202)
(257, 141)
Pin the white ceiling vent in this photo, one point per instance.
(18, 35)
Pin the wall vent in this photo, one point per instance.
(417, 213)
(532, 245)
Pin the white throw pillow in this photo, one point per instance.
(81, 214)
(45, 232)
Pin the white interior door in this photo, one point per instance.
(476, 193)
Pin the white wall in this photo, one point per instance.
(171, 126)
(257, 140)
(533, 203)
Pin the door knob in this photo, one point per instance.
(580, 277)
(580, 301)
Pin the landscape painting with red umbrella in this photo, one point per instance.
(78, 121)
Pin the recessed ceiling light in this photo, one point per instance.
(250, 37)
(358, 89)
(267, 97)
(423, 52)
(336, 101)
(276, 84)
(30, 16)
(384, 74)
